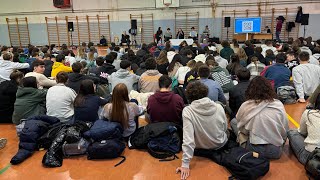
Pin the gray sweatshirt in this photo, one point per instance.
(123, 76)
(204, 126)
(306, 78)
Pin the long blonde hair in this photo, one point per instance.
(162, 59)
(242, 54)
(81, 53)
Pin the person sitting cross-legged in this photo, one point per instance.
(164, 105)
(215, 90)
(38, 70)
(261, 122)
(204, 125)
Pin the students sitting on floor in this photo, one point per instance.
(164, 105)
(86, 104)
(122, 110)
(204, 125)
(279, 73)
(215, 90)
(261, 122)
(8, 91)
(237, 93)
(59, 66)
(149, 80)
(305, 139)
(123, 75)
(60, 98)
(75, 78)
(306, 77)
(7, 66)
(30, 101)
(38, 70)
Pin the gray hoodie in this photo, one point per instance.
(204, 126)
(123, 76)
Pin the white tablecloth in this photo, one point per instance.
(176, 42)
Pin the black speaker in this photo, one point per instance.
(58, 3)
(226, 21)
(70, 26)
(305, 19)
(134, 24)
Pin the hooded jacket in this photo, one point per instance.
(262, 123)
(58, 67)
(29, 102)
(149, 81)
(123, 76)
(165, 107)
(314, 59)
(8, 91)
(103, 70)
(204, 126)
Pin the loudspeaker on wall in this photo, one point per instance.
(226, 21)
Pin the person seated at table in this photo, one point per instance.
(206, 31)
(125, 38)
(180, 34)
(167, 35)
(193, 34)
(103, 41)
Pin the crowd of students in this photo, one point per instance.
(194, 87)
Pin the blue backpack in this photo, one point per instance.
(165, 145)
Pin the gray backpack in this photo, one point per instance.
(287, 94)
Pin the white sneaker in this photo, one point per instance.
(3, 143)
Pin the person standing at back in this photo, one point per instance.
(306, 77)
(158, 35)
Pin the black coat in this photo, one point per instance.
(33, 129)
(75, 80)
(8, 90)
(105, 68)
(237, 96)
(163, 68)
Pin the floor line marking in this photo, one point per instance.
(5, 169)
(293, 121)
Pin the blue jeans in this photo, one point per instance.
(278, 36)
(296, 141)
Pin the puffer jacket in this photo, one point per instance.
(34, 128)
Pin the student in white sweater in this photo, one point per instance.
(182, 71)
(7, 67)
(305, 139)
(306, 77)
(204, 125)
(38, 70)
(60, 98)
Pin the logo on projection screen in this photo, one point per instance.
(247, 26)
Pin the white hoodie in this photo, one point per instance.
(7, 67)
(204, 126)
(314, 59)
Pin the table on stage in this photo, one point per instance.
(177, 42)
(258, 36)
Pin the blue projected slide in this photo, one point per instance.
(247, 25)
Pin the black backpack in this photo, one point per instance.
(243, 165)
(165, 145)
(313, 164)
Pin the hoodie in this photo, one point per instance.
(123, 76)
(7, 67)
(149, 81)
(223, 77)
(204, 127)
(104, 71)
(58, 67)
(29, 102)
(165, 107)
(314, 59)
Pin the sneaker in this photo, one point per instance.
(3, 143)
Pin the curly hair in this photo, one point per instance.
(196, 90)
(259, 90)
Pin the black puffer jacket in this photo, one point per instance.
(33, 129)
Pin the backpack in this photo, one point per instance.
(181, 92)
(287, 94)
(165, 145)
(242, 164)
(313, 164)
(107, 149)
(102, 130)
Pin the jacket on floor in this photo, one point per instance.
(33, 129)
